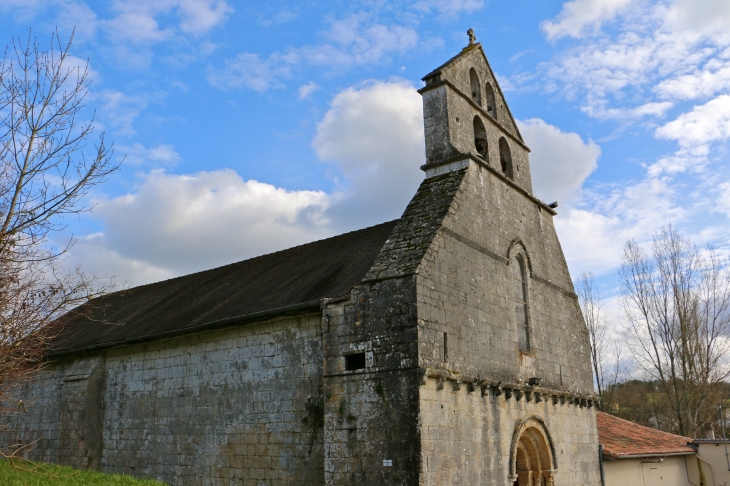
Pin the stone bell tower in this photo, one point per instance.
(465, 113)
(474, 357)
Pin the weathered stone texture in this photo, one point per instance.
(437, 389)
(240, 406)
(466, 437)
(38, 418)
(465, 290)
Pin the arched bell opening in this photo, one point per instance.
(480, 138)
(532, 456)
(491, 103)
(505, 158)
(476, 90)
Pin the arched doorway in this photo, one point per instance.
(532, 457)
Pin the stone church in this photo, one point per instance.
(444, 348)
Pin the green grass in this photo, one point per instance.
(37, 474)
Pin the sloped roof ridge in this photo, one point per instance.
(172, 279)
(478, 45)
(453, 59)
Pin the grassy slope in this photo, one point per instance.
(52, 475)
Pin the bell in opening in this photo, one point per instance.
(505, 158)
(480, 138)
(491, 103)
(476, 90)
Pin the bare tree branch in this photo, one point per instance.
(677, 303)
(46, 169)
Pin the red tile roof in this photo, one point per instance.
(622, 439)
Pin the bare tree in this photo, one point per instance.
(46, 169)
(605, 352)
(677, 301)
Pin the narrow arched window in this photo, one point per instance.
(491, 103)
(476, 90)
(519, 281)
(505, 158)
(480, 138)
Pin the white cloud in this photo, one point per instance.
(306, 90)
(119, 110)
(704, 124)
(714, 77)
(138, 21)
(199, 16)
(138, 154)
(646, 55)
(559, 162)
(280, 17)
(249, 71)
(577, 16)
(652, 109)
(594, 232)
(353, 41)
(184, 223)
(701, 15)
(372, 136)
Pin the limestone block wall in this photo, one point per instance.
(449, 114)
(371, 414)
(36, 420)
(467, 436)
(465, 292)
(238, 406)
(458, 74)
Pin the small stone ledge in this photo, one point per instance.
(509, 391)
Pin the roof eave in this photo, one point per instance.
(618, 457)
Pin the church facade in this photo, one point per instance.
(444, 348)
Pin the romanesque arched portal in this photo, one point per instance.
(532, 455)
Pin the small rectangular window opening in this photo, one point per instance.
(446, 347)
(355, 362)
(387, 462)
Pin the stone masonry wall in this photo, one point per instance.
(238, 406)
(448, 120)
(468, 334)
(36, 420)
(465, 291)
(466, 436)
(371, 414)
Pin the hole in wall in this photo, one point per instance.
(505, 158)
(491, 103)
(476, 90)
(355, 362)
(480, 138)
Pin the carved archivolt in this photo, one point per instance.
(532, 452)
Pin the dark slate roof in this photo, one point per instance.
(622, 439)
(282, 280)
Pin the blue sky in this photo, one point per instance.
(253, 127)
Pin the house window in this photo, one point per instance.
(505, 158)
(491, 103)
(519, 282)
(476, 90)
(480, 138)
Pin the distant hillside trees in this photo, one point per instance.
(46, 169)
